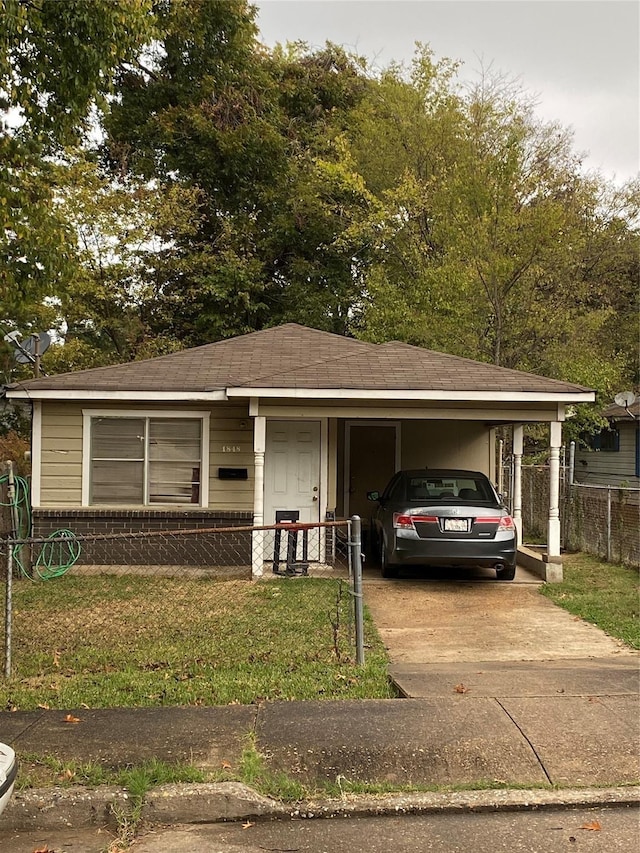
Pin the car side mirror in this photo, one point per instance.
(373, 496)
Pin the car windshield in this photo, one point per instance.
(460, 488)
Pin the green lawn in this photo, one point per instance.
(606, 594)
(132, 641)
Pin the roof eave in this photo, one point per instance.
(150, 396)
(118, 396)
(568, 397)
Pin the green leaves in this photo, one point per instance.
(59, 59)
(231, 188)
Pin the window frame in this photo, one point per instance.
(145, 414)
(611, 444)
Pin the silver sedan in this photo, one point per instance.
(443, 517)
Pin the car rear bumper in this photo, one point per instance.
(8, 773)
(450, 552)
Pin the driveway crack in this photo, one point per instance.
(532, 747)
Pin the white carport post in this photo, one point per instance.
(518, 443)
(553, 529)
(257, 537)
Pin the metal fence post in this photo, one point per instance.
(8, 610)
(356, 563)
(609, 548)
(572, 461)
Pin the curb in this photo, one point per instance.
(469, 801)
(57, 808)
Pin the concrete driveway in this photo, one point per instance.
(466, 642)
(464, 631)
(437, 616)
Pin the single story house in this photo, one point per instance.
(289, 418)
(613, 455)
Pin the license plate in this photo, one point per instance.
(460, 525)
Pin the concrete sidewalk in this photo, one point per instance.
(572, 726)
(487, 706)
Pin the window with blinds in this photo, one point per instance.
(143, 461)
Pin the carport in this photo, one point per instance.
(382, 407)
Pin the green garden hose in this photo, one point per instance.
(58, 553)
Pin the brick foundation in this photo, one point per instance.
(168, 548)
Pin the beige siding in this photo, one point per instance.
(607, 467)
(230, 445)
(432, 442)
(446, 444)
(61, 466)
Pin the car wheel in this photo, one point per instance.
(386, 570)
(506, 574)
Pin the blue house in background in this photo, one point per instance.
(613, 458)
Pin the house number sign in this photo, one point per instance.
(231, 448)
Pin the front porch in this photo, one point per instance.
(356, 455)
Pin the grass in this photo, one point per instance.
(38, 771)
(112, 641)
(606, 594)
(41, 771)
(255, 772)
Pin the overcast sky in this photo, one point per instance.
(580, 58)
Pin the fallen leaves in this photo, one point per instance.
(592, 825)
(460, 688)
(226, 765)
(71, 719)
(247, 824)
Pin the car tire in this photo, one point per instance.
(386, 570)
(506, 574)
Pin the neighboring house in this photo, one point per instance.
(287, 418)
(613, 457)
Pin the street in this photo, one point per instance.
(601, 830)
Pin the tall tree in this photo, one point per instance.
(482, 205)
(57, 65)
(257, 135)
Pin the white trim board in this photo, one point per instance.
(415, 394)
(178, 396)
(122, 396)
(354, 412)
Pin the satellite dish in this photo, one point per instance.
(26, 349)
(625, 399)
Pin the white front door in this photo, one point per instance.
(292, 474)
(292, 469)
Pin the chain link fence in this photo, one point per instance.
(142, 582)
(601, 520)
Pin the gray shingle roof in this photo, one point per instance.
(293, 356)
(615, 412)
